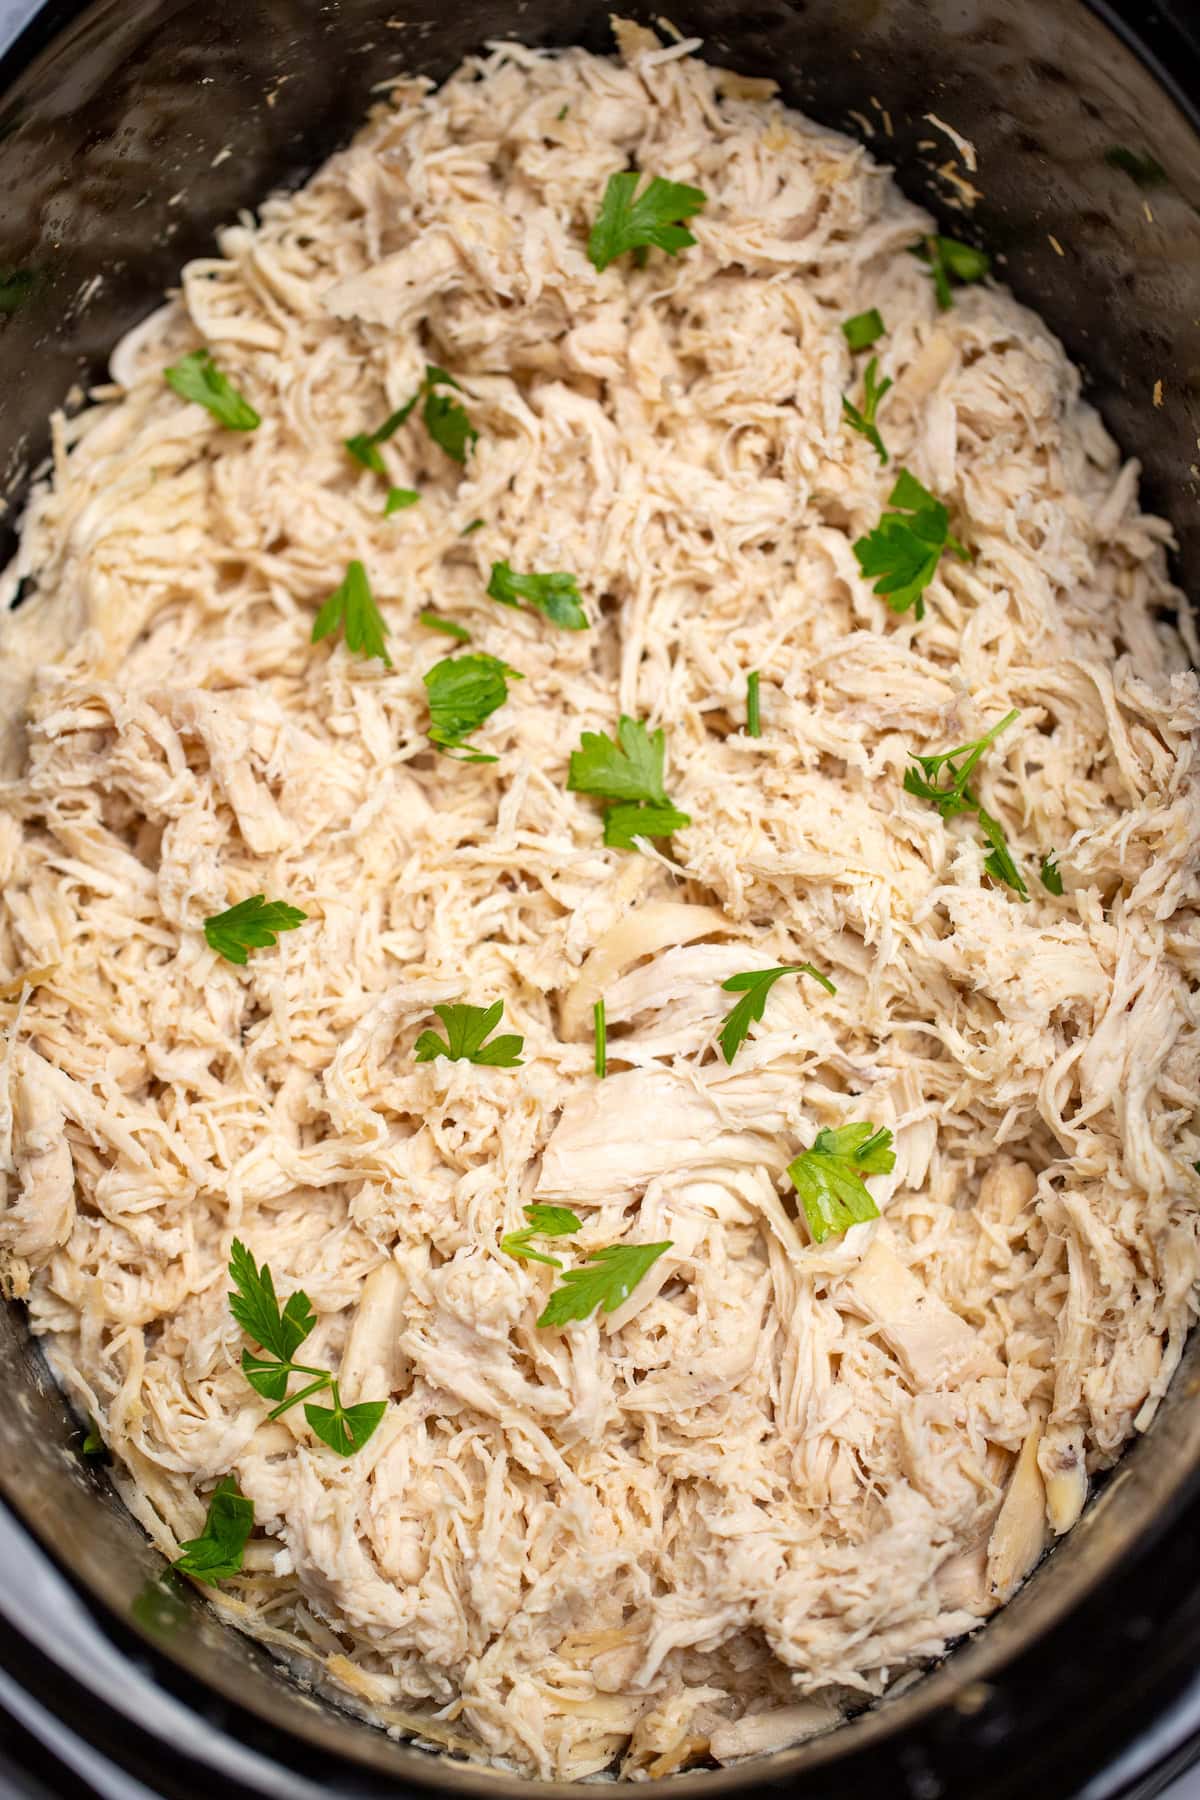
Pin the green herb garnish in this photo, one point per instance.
(624, 223)
(352, 606)
(862, 330)
(864, 420)
(828, 1178)
(755, 985)
(753, 721)
(364, 446)
(445, 420)
(951, 260)
(197, 377)
(1051, 875)
(399, 499)
(600, 1034)
(943, 781)
(627, 769)
(255, 1307)
(556, 594)
(906, 546)
(475, 525)
(544, 1221)
(252, 924)
(1139, 165)
(466, 1028)
(624, 824)
(605, 1280)
(463, 691)
(217, 1553)
(450, 627)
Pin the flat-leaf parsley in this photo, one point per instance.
(605, 1280)
(943, 780)
(466, 1028)
(904, 549)
(463, 691)
(352, 606)
(829, 1177)
(754, 985)
(556, 594)
(197, 377)
(624, 223)
(252, 924)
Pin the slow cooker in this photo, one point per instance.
(129, 131)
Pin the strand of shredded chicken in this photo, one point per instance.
(708, 1523)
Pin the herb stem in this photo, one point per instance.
(753, 721)
(601, 1033)
(314, 1387)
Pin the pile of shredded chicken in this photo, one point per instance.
(710, 1522)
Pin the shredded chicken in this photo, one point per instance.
(710, 1522)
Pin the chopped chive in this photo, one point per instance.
(601, 1032)
(753, 722)
(468, 529)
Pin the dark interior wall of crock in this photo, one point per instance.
(150, 122)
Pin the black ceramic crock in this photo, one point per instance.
(113, 118)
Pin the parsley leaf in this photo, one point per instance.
(1139, 165)
(252, 924)
(600, 1037)
(93, 1444)
(625, 823)
(624, 223)
(555, 594)
(1051, 875)
(954, 796)
(217, 1553)
(445, 420)
(862, 330)
(344, 1428)
(999, 861)
(604, 1280)
(828, 1178)
(544, 1221)
(451, 627)
(255, 1306)
(950, 258)
(757, 984)
(352, 606)
(906, 546)
(363, 447)
(466, 1028)
(197, 377)
(753, 721)
(627, 768)
(864, 420)
(463, 691)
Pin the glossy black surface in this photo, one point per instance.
(112, 124)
